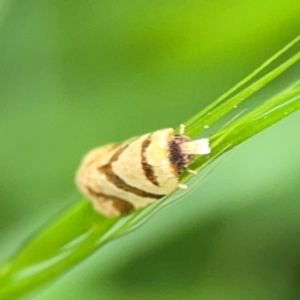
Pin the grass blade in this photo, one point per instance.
(79, 231)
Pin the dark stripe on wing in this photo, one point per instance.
(119, 182)
(147, 168)
(121, 205)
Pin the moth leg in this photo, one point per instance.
(182, 186)
(193, 172)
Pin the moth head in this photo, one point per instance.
(182, 150)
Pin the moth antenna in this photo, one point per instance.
(197, 147)
(193, 172)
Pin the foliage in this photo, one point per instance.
(79, 231)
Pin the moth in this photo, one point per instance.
(118, 178)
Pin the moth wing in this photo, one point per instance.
(109, 205)
(87, 181)
(96, 157)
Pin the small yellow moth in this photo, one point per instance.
(118, 178)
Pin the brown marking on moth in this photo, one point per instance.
(147, 168)
(178, 159)
(119, 182)
(121, 206)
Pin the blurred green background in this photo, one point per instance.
(77, 74)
